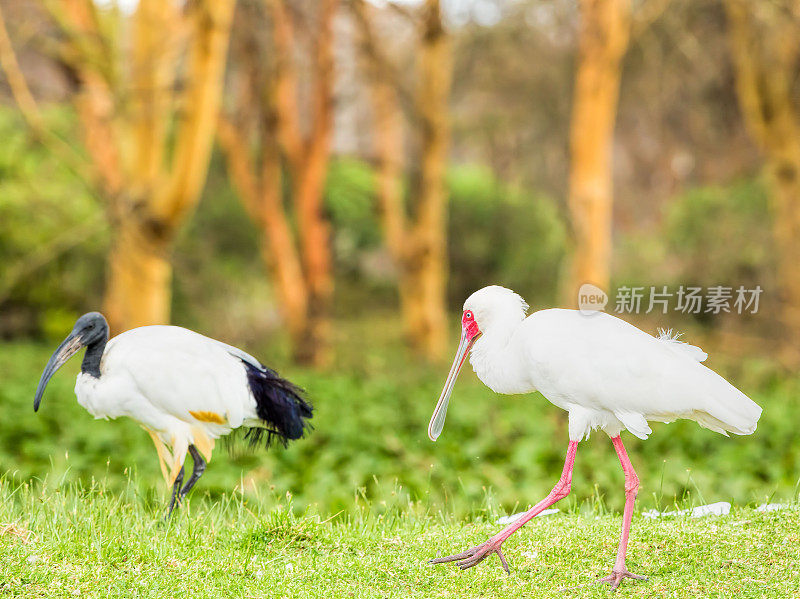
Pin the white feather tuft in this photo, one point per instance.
(668, 335)
(671, 338)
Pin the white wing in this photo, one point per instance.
(179, 372)
(600, 362)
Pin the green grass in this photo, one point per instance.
(370, 499)
(71, 541)
(371, 415)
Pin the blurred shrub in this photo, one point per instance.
(709, 236)
(722, 235)
(369, 437)
(365, 272)
(349, 198)
(53, 237)
(501, 235)
(53, 241)
(220, 279)
(496, 234)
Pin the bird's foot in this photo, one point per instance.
(475, 555)
(617, 576)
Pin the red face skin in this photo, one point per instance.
(469, 325)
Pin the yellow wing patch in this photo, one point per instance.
(211, 417)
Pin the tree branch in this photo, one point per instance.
(237, 155)
(211, 21)
(46, 253)
(286, 85)
(322, 102)
(388, 136)
(647, 14)
(32, 115)
(378, 64)
(747, 69)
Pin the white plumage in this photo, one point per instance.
(184, 389)
(604, 372)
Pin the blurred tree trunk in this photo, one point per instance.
(168, 197)
(139, 273)
(308, 172)
(604, 33)
(428, 260)
(302, 271)
(764, 44)
(416, 242)
(261, 194)
(150, 179)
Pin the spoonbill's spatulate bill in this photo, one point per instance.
(606, 373)
(184, 389)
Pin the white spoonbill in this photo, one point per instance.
(604, 372)
(184, 389)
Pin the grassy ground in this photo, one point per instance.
(371, 415)
(372, 499)
(93, 543)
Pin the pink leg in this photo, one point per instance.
(475, 555)
(631, 489)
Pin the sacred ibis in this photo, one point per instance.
(604, 372)
(184, 389)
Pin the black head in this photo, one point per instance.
(90, 330)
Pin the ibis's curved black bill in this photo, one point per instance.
(68, 348)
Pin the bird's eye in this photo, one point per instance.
(468, 314)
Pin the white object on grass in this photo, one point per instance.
(720, 508)
(771, 507)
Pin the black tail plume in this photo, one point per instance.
(279, 403)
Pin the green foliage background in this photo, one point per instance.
(373, 405)
(369, 442)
